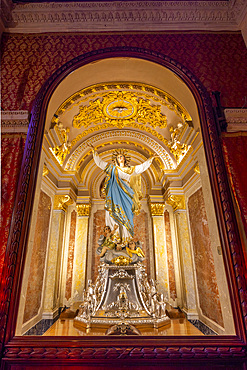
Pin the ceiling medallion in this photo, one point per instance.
(119, 109)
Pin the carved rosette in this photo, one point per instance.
(157, 209)
(176, 201)
(83, 209)
(61, 202)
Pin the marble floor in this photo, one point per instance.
(176, 327)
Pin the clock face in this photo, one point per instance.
(120, 109)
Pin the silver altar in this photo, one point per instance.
(122, 295)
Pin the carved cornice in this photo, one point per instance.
(61, 202)
(157, 209)
(124, 15)
(236, 119)
(83, 209)
(176, 201)
(14, 121)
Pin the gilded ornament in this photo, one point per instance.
(121, 261)
(61, 151)
(177, 148)
(196, 168)
(83, 209)
(61, 202)
(176, 201)
(120, 108)
(45, 170)
(143, 91)
(157, 209)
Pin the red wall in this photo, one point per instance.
(218, 60)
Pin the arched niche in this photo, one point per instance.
(193, 96)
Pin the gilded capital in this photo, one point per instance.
(61, 202)
(176, 201)
(157, 209)
(83, 209)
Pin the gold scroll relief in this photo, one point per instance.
(61, 202)
(176, 201)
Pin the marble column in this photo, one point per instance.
(186, 266)
(80, 252)
(160, 252)
(52, 286)
(170, 260)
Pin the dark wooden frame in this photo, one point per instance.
(86, 351)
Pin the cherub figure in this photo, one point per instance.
(134, 248)
(108, 242)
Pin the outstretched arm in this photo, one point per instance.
(99, 162)
(144, 166)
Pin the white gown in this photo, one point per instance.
(123, 233)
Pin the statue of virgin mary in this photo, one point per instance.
(122, 192)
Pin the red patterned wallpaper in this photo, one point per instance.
(12, 148)
(218, 60)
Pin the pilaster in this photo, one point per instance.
(188, 284)
(52, 297)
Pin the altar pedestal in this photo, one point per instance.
(122, 295)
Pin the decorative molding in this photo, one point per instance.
(110, 136)
(176, 201)
(98, 16)
(157, 209)
(83, 209)
(132, 352)
(61, 202)
(236, 119)
(15, 121)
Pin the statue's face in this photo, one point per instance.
(132, 245)
(120, 159)
(107, 229)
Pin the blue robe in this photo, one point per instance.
(119, 199)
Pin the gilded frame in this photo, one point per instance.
(170, 351)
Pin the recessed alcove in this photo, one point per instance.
(177, 225)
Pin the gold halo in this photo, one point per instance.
(124, 152)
